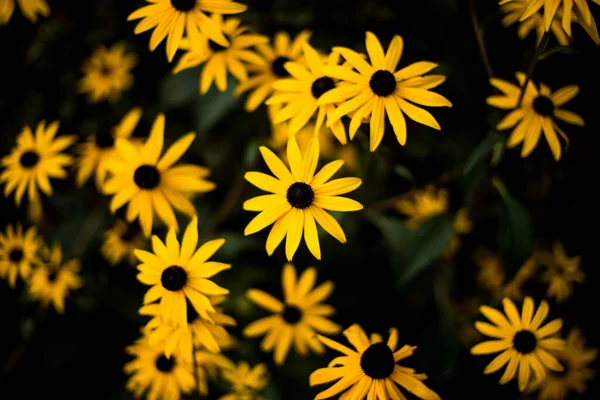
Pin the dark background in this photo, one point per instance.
(81, 353)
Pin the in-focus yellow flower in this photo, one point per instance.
(170, 18)
(535, 114)
(275, 56)
(18, 252)
(573, 379)
(490, 273)
(299, 93)
(152, 372)
(53, 280)
(298, 198)
(150, 183)
(246, 381)
(371, 371)
(523, 343)
(560, 273)
(120, 241)
(98, 148)
(177, 273)
(198, 333)
(34, 159)
(297, 319)
(107, 74)
(378, 90)
(209, 366)
(30, 9)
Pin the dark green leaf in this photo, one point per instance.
(558, 50)
(482, 150)
(213, 106)
(392, 229)
(180, 89)
(404, 172)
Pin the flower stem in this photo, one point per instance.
(538, 51)
(480, 41)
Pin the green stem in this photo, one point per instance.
(536, 55)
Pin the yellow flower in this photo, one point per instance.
(209, 366)
(35, 159)
(170, 18)
(302, 90)
(576, 359)
(222, 59)
(246, 381)
(301, 315)
(196, 333)
(53, 280)
(535, 114)
(378, 89)
(120, 241)
(150, 183)
(561, 272)
(177, 273)
(30, 9)
(523, 343)
(490, 273)
(97, 149)
(372, 370)
(298, 198)
(162, 377)
(275, 56)
(513, 11)
(423, 205)
(107, 74)
(18, 252)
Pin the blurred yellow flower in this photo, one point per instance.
(120, 241)
(30, 9)
(513, 11)
(18, 252)
(560, 272)
(246, 382)
(490, 273)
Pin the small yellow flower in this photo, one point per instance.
(107, 74)
(30, 9)
(18, 252)
(246, 381)
(522, 342)
(490, 273)
(535, 114)
(297, 319)
(371, 371)
(36, 158)
(560, 273)
(120, 241)
(171, 18)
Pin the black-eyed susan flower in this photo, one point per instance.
(560, 273)
(490, 272)
(53, 280)
(512, 14)
(199, 333)
(246, 381)
(371, 370)
(171, 18)
(377, 89)
(98, 148)
(299, 93)
(107, 74)
(575, 358)
(31, 9)
(524, 344)
(219, 60)
(297, 319)
(179, 272)
(275, 55)
(298, 199)
(120, 241)
(535, 114)
(150, 183)
(18, 252)
(155, 374)
(209, 366)
(34, 159)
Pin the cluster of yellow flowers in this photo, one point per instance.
(181, 345)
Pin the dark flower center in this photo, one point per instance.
(183, 5)
(130, 233)
(543, 105)
(106, 71)
(191, 312)
(291, 314)
(378, 361)
(300, 195)
(278, 67)
(52, 276)
(146, 177)
(524, 342)
(104, 140)
(321, 86)
(29, 159)
(164, 364)
(383, 83)
(16, 255)
(173, 278)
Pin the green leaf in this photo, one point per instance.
(482, 150)
(404, 172)
(515, 231)
(180, 89)
(557, 50)
(392, 229)
(422, 246)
